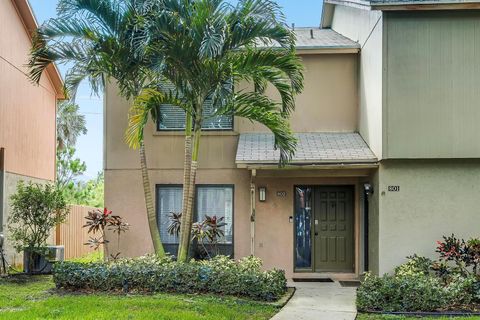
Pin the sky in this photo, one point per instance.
(303, 13)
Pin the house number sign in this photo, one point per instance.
(281, 194)
(394, 188)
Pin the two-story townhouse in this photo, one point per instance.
(386, 161)
(269, 212)
(27, 111)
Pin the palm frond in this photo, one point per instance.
(42, 54)
(60, 28)
(259, 108)
(256, 22)
(281, 69)
(144, 106)
(107, 14)
(212, 42)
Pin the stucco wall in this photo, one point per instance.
(432, 72)
(366, 28)
(329, 101)
(436, 197)
(27, 111)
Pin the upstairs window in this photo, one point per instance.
(173, 117)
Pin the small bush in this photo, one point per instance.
(414, 292)
(450, 283)
(35, 210)
(415, 265)
(221, 275)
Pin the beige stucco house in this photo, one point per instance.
(388, 154)
(27, 111)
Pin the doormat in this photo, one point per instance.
(312, 280)
(351, 283)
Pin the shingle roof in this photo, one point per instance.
(322, 39)
(312, 148)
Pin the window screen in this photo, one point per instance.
(169, 200)
(217, 201)
(173, 117)
(211, 200)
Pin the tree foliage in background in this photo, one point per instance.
(70, 124)
(85, 193)
(69, 168)
(89, 193)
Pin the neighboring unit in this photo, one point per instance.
(27, 111)
(387, 160)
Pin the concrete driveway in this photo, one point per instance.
(319, 301)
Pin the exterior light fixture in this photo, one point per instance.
(262, 194)
(368, 189)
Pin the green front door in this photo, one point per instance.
(333, 229)
(323, 229)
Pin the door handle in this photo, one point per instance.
(316, 233)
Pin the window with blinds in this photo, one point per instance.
(173, 118)
(169, 200)
(211, 200)
(217, 201)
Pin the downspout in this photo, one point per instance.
(252, 211)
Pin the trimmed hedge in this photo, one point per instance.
(414, 292)
(220, 275)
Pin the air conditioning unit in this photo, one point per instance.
(35, 263)
(57, 253)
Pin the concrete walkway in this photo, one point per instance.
(319, 301)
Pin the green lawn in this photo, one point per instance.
(380, 317)
(35, 298)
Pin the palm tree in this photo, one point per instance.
(202, 47)
(94, 36)
(70, 124)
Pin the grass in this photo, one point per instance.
(363, 316)
(95, 256)
(35, 298)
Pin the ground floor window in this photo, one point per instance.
(169, 202)
(211, 200)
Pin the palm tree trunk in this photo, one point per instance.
(188, 221)
(151, 215)
(184, 241)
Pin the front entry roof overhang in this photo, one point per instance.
(323, 150)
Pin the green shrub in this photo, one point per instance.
(415, 265)
(414, 292)
(461, 290)
(35, 210)
(221, 275)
